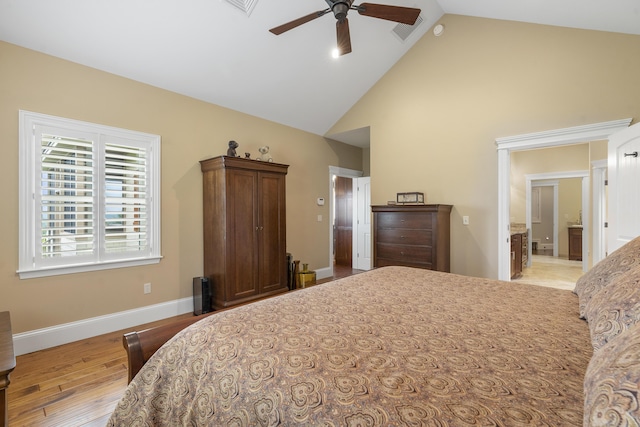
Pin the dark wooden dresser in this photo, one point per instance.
(519, 253)
(244, 227)
(412, 236)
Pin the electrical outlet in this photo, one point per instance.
(147, 288)
(465, 220)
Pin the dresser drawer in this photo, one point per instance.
(404, 236)
(403, 252)
(413, 220)
(383, 262)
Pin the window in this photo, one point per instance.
(89, 196)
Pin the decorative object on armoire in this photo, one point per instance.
(412, 236)
(244, 215)
(264, 154)
(306, 277)
(296, 274)
(414, 198)
(247, 155)
(231, 151)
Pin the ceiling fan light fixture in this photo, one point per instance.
(340, 10)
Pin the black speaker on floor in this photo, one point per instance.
(290, 278)
(201, 295)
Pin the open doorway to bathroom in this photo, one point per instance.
(556, 233)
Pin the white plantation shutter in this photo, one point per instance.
(125, 213)
(90, 196)
(65, 194)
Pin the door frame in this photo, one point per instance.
(347, 173)
(599, 173)
(552, 138)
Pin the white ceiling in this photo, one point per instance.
(212, 51)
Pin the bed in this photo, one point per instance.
(404, 347)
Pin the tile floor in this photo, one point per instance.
(552, 271)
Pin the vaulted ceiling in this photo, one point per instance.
(214, 51)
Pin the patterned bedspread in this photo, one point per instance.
(394, 346)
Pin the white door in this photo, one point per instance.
(624, 188)
(362, 235)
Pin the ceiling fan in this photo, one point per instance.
(404, 15)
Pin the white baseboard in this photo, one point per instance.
(323, 273)
(39, 339)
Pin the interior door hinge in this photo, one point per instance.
(606, 225)
(606, 182)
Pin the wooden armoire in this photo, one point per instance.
(244, 229)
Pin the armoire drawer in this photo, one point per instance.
(414, 220)
(404, 236)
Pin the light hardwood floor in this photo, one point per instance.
(79, 384)
(76, 384)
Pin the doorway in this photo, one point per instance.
(336, 247)
(554, 180)
(554, 138)
(544, 214)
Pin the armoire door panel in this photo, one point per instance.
(242, 233)
(272, 232)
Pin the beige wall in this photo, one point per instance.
(191, 131)
(435, 115)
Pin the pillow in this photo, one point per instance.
(605, 271)
(612, 382)
(615, 308)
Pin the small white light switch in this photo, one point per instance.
(319, 218)
(465, 220)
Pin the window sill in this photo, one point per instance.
(82, 268)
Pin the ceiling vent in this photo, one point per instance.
(244, 5)
(403, 31)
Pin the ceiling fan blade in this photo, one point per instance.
(344, 38)
(297, 22)
(404, 15)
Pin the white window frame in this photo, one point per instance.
(29, 174)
